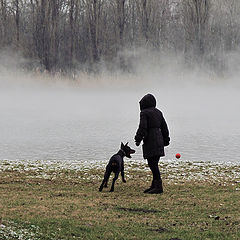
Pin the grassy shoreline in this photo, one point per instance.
(66, 204)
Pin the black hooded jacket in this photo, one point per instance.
(152, 128)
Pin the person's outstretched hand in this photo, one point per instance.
(137, 143)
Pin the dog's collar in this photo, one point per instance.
(123, 152)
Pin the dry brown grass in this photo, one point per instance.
(186, 209)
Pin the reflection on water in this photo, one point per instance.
(86, 127)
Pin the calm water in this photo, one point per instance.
(85, 127)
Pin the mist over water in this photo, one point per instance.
(53, 121)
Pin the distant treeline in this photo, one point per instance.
(65, 34)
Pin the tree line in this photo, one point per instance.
(66, 34)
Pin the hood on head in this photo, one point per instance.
(148, 101)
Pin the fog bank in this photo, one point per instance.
(84, 118)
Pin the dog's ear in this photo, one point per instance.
(122, 145)
(126, 144)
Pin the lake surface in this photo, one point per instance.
(83, 127)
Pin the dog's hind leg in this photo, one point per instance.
(113, 182)
(106, 177)
(101, 186)
(105, 184)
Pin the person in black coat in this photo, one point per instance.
(154, 133)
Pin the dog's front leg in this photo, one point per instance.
(113, 182)
(122, 174)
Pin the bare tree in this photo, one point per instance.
(65, 34)
(17, 19)
(121, 19)
(94, 12)
(72, 7)
(196, 15)
(3, 18)
(144, 12)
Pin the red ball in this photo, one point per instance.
(178, 155)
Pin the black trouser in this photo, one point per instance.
(153, 164)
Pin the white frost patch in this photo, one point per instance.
(172, 170)
(12, 231)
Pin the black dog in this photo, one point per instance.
(116, 165)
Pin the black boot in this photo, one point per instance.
(158, 188)
(148, 189)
